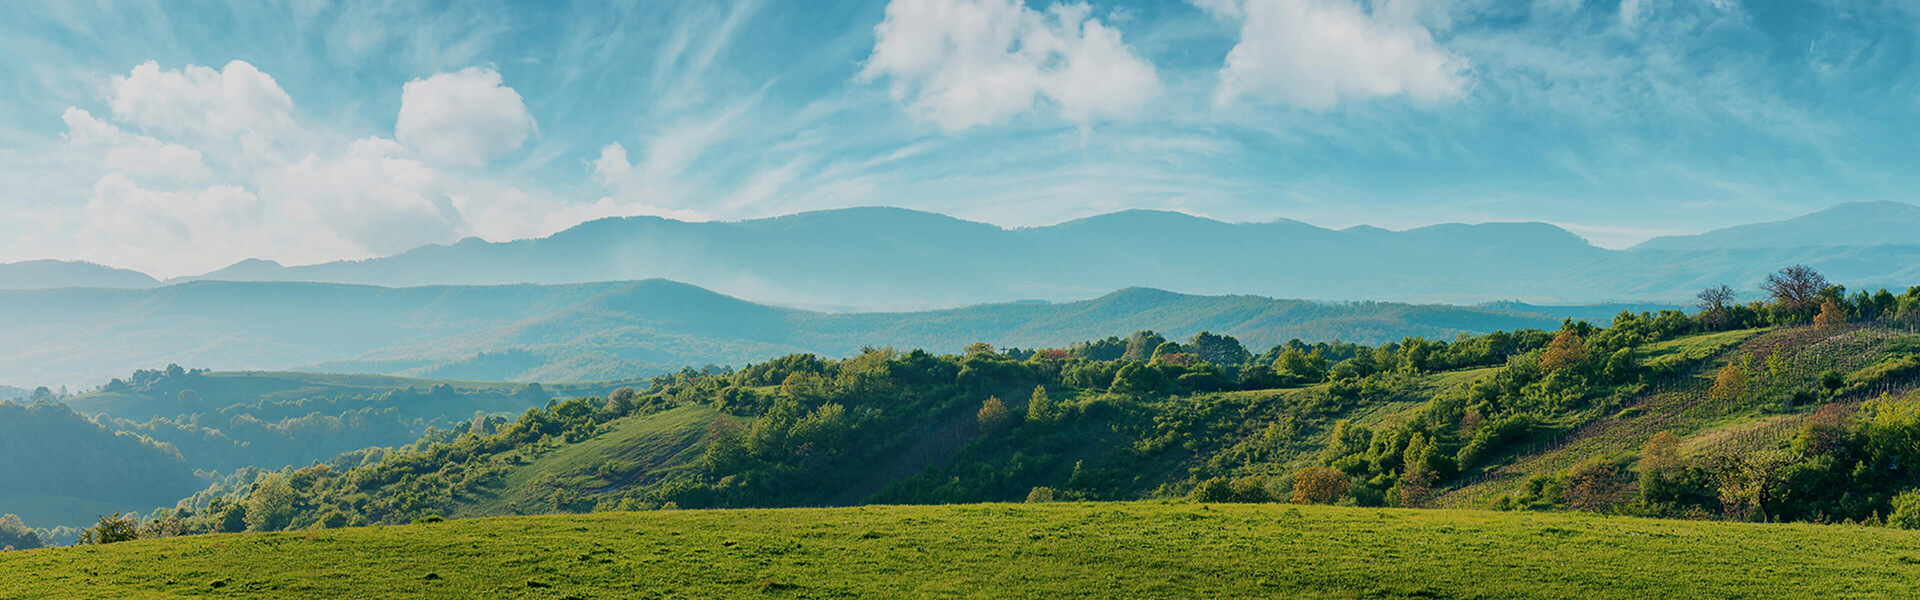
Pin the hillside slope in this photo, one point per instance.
(1085, 550)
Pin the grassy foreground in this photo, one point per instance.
(1091, 550)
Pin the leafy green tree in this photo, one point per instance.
(272, 504)
(1296, 366)
(1141, 345)
(111, 530)
(1040, 408)
(1221, 350)
(1135, 378)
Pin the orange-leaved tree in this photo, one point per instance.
(1566, 350)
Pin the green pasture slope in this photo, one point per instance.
(1084, 550)
(637, 453)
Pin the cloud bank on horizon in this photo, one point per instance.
(178, 139)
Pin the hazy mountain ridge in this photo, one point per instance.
(880, 258)
(49, 274)
(1851, 224)
(891, 258)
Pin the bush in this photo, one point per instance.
(1040, 495)
(1319, 485)
(117, 528)
(1906, 510)
(1215, 490)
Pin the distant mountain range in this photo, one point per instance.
(573, 332)
(1854, 224)
(898, 259)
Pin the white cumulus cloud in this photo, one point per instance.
(199, 101)
(159, 232)
(369, 196)
(967, 63)
(464, 118)
(1314, 54)
(134, 154)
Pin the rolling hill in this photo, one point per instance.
(610, 330)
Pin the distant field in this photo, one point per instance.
(1091, 550)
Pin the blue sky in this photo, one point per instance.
(177, 137)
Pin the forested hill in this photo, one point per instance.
(60, 468)
(1798, 411)
(608, 330)
(897, 259)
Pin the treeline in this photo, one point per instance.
(271, 433)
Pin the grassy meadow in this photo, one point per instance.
(1065, 550)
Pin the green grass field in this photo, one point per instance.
(1089, 550)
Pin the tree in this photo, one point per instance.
(1300, 367)
(1135, 378)
(621, 400)
(1831, 317)
(1040, 408)
(992, 415)
(1040, 495)
(110, 530)
(1319, 485)
(1141, 345)
(1714, 298)
(981, 349)
(1218, 349)
(1165, 349)
(271, 504)
(1795, 288)
(1747, 482)
(1565, 351)
(1713, 303)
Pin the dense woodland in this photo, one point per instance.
(222, 423)
(1397, 424)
